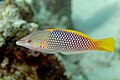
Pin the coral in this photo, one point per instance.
(24, 66)
(11, 23)
(26, 10)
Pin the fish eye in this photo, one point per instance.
(29, 41)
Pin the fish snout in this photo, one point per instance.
(20, 42)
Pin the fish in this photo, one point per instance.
(52, 41)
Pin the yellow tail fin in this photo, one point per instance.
(106, 44)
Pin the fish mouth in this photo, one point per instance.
(20, 42)
(24, 44)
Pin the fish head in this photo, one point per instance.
(31, 42)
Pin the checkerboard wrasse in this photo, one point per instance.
(53, 41)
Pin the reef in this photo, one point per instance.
(19, 18)
(19, 64)
(12, 23)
